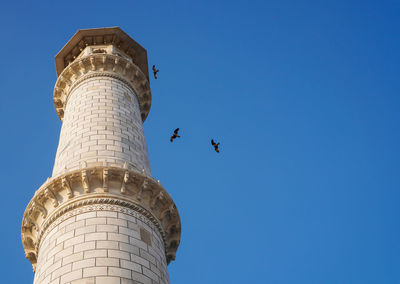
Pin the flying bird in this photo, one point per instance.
(175, 135)
(215, 145)
(155, 71)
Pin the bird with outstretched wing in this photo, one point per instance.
(215, 145)
(175, 135)
(155, 71)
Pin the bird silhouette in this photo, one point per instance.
(215, 145)
(175, 135)
(155, 71)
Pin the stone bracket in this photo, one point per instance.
(50, 194)
(65, 184)
(85, 181)
(124, 182)
(105, 179)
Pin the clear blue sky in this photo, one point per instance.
(303, 96)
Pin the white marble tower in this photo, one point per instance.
(101, 218)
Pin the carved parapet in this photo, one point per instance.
(124, 187)
(110, 64)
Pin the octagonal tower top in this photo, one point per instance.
(101, 36)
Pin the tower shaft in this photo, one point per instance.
(101, 125)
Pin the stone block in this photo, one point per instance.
(86, 216)
(75, 225)
(95, 221)
(128, 248)
(74, 241)
(118, 237)
(131, 265)
(68, 277)
(119, 254)
(95, 236)
(85, 230)
(150, 274)
(61, 271)
(108, 280)
(116, 221)
(120, 272)
(72, 258)
(94, 271)
(140, 260)
(141, 278)
(64, 253)
(89, 280)
(107, 228)
(85, 246)
(107, 261)
(107, 245)
(129, 232)
(95, 253)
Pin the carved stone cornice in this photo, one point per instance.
(100, 185)
(103, 64)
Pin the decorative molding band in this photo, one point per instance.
(109, 186)
(99, 203)
(104, 64)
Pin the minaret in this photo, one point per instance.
(101, 218)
